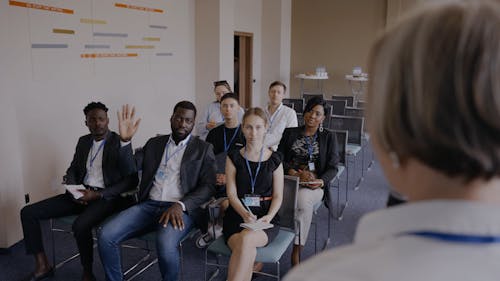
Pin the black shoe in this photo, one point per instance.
(34, 277)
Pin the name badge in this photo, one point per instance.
(252, 200)
(161, 175)
(311, 166)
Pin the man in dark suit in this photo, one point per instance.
(178, 175)
(98, 167)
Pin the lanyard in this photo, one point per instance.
(227, 145)
(310, 145)
(273, 117)
(253, 179)
(457, 238)
(167, 157)
(93, 157)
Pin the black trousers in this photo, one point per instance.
(89, 216)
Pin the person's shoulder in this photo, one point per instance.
(350, 263)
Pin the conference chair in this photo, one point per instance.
(354, 127)
(349, 99)
(273, 251)
(295, 104)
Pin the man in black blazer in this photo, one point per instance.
(97, 165)
(178, 175)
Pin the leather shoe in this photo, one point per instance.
(42, 276)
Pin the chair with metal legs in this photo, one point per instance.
(149, 240)
(273, 251)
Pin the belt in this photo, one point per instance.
(266, 198)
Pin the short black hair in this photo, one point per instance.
(94, 105)
(316, 101)
(186, 105)
(230, 96)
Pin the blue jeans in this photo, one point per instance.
(136, 220)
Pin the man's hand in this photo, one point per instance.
(211, 125)
(89, 195)
(174, 216)
(127, 126)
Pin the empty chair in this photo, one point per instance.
(338, 106)
(295, 104)
(354, 127)
(354, 112)
(348, 99)
(360, 104)
(308, 96)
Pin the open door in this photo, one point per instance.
(243, 81)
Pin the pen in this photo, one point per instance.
(246, 207)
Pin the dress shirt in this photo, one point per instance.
(283, 117)
(94, 175)
(169, 188)
(383, 249)
(212, 113)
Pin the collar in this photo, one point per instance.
(184, 142)
(447, 216)
(277, 109)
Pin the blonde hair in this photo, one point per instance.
(434, 91)
(257, 111)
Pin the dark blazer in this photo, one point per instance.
(117, 176)
(328, 154)
(197, 174)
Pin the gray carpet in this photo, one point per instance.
(371, 195)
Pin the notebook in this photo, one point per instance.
(257, 225)
(73, 189)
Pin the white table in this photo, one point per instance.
(357, 84)
(318, 78)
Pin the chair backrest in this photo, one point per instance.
(355, 112)
(348, 99)
(300, 119)
(360, 104)
(289, 205)
(308, 96)
(338, 106)
(341, 136)
(353, 125)
(295, 104)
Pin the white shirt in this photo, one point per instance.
(283, 117)
(383, 251)
(167, 181)
(94, 175)
(212, 113)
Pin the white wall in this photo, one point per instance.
(43, 91)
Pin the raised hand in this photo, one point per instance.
(127, 125)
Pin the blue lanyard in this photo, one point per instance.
(93, 157)
(167, 157)
(227, 145)
(253, 179)
(271, 120)
(310, 147)
(457, 238)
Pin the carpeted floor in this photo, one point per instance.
(371, 195)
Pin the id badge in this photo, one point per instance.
(252, 200)
(311, 166)
(161, 175)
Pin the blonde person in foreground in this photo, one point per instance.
(434, 106)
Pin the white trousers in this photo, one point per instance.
(306, 199)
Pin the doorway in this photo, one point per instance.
(243, 81)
